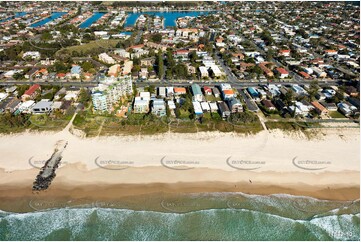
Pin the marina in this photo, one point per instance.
(94, 18)
(47, 20)
(17, 15)
(169, 17)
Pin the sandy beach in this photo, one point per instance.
(326, 166)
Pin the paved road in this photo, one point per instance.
(230, 76)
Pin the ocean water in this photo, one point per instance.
(210, 216)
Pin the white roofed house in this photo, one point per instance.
(216, 71)
(204, 71)
(158, 108)
(26, 107)
(346, 108)
(213, 106)
(162, 92)
(141, 103)
(127, 68)
(319, 72)
(170, 91)
(205, 107)
(106, 58)
(31, 55)
(44, 106)
(197, 108)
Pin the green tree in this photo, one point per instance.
(160, 64)
(157, 38)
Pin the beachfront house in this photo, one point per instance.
(44, 106)
(223, 110)
(158, 108)
(141, 103)
(197, 108)
(235, 105)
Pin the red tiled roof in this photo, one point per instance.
(282, 71)
(304, 74)
(32, 89)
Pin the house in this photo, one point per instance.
(11, 89)
(114, 70)
(216, 71)
(158, 108)
(3, 96)
(268, 104)
(235, 105)
(75, 71)
(352, 91)
(147, 61)
(265, 69)
(35, 55)
(162, 92)
(321, 110)
(204, 72)
(197, 92)
(127, 68)
(205, 107)
(285, 53)
(330, 52)
(319, 72)
(213, 106)
(179, 91)
(216, 92)
(143, 74)
(31, 93)
(280, 105)
(170, 91)
(10, 105)
(303, 109)
(122, 53)
(282, 72)
(59, 94)
(346, 108)
(44, 106)
(141, 103)
(304, 75)
(207, 90)
(228, 94)
(104, 57)
(298, 90)
(254, 94)
(26, 107)
(223, 109)
(197, 108)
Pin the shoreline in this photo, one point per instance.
(124, 167)
(152, 196)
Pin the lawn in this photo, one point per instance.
(336, 114)
(212, 98)
(85, 48)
